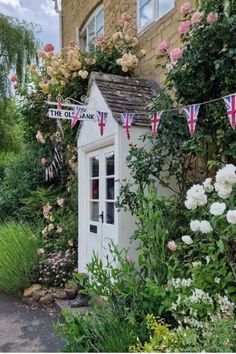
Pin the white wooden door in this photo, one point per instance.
(101, 202)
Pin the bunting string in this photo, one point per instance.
(191, 113)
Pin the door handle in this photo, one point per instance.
(101, 216)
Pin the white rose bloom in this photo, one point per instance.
(223, 189)
(217, 208)
(190, 204)
(205, 227)
(231, 216)
(207, 185)
(187, 239)
(226, 174)
(195, 225)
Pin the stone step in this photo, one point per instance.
(64, 305)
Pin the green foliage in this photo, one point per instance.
(216, 335)
(104, 330)
(18, 47)
(20, 177)
(18, 255)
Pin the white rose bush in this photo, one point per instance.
(202, 277)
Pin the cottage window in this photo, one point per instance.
(152, 10)
(92, 29)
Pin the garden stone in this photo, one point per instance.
(59, 294)
(47, 299)
(28, 300)
(38, 294)
(29, 291)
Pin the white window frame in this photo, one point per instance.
(84, 30)
(155, 8)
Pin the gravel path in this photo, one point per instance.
(23, 329)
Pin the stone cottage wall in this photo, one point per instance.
(77, 12)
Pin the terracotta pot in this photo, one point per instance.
(71, 294)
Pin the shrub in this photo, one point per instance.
(56, 268)
(104, 330)
(20, 177)
(18, 255)
(216, 335)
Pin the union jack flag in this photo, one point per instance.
(155, 121)
(191, 113)
(102, 118)
(230, 102)
(127, 120)
(77, 113)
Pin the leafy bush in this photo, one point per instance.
(18, 257)
(216, 335)
(20, 177)
(104, 330)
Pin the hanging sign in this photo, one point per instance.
(69, 114)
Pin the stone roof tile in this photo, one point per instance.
(125, 94)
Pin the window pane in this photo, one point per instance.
(165, 6)
(110, 164)
(110, 182)
(146, 14)
(100, 22)
(143, 2)
(94, 211)
(110, 213)
(91, 34)
(94, 166)
(95, 189)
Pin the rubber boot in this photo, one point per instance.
(82, 299)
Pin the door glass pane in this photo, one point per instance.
(100, 22)
(146, 14)
(165, 6)
(110, 186)
(94, 166)
(110, 164)
(94, 211)
(110, 213)
(94, 189)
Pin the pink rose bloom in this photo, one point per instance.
(13, 78)
(184, 27)
(197, 18)
(185, 8)
(49, 47)
(163, 47)
(60, 202)
(212, 17)
(172, 246)
(176, 55)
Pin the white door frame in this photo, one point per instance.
(83, 193)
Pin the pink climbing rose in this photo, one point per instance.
(13, 78)
(49, 48)
(212, 17)
(197, 18)
(176, 55)
(172, 246)
(163, 47)
(184, 27)
(185, 8)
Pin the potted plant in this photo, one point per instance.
(71, 290)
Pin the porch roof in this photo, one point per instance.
(125, 94)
